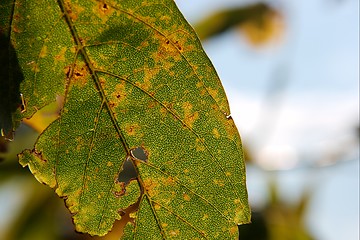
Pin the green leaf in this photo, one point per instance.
(134, 80)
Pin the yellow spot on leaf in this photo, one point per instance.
(150, 187)
(165, 18)
(149, 74)
(119, 94)
(80, 143)
(157, 206)
(186, 197)
(189, 116)
(199, 145)
(218, 182)
(43, 52)
(216, 133)
(214, 94)
(167, 51)
(174, 232)
(61, 55)
(77, 9)
(230, 129)
(109, 164)
(35, 67)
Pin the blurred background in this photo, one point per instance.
(291, 73)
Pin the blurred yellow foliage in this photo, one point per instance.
(264, 29)
(260, 23)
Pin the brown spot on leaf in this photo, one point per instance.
(80, 75)
(103, 10)
(118, 95)
(16, 29)
(152, 104)
(132, 129)
(169, 181)
(167, 51)
(68, 9)
(233, 230)
(67, 71)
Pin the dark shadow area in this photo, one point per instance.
(128, 172)
(10, 79)
(257, 230)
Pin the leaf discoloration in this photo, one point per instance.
(136, 77)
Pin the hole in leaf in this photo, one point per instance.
(126, 215)
(139, 153)
(128, 172)
(78, 74)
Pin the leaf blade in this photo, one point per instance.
(138, 77)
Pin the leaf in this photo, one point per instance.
(135, 81)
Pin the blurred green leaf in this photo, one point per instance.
(134, 78)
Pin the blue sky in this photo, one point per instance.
(313, 118)
(319, 58)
